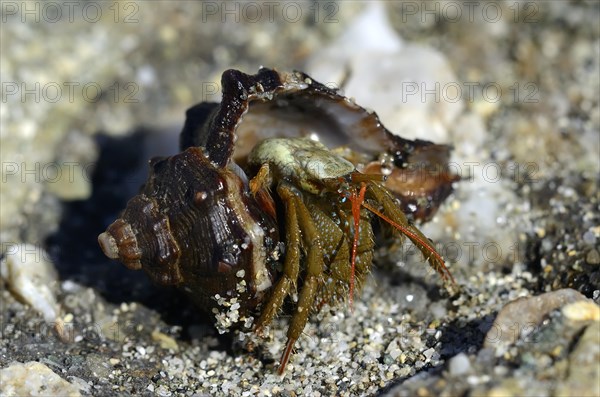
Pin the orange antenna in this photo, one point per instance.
(357, 200)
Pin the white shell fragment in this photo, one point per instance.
(31, 276)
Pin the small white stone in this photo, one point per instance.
(459, 365)
(163, 391)
(429, 353)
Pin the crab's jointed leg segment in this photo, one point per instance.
(297, 218)
(262, 180)
(395, 217)
(291, 265)
(313, 277)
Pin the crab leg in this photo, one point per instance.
(397, 219)
(291, 264)
(310, 287)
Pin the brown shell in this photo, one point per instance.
(194, 226)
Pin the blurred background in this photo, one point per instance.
(91, 90)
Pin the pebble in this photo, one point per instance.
(163, 391)
(393, 350)
(589, 237)
(428, 353)
(98, 365)
(459, 365)
(165, 341)
(521, 316)
(593, 257)
(582, 311)
(71, 183)
(34, 379)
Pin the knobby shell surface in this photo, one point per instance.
(219, 220)
(193, 225)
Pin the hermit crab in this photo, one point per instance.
(273, 198)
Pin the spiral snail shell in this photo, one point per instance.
(193, 226)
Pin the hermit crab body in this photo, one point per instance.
(295, 217)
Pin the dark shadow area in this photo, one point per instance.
(457, 337)
(74, 247)
(121, 168)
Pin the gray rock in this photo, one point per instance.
(522, 316)
(583, 377)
